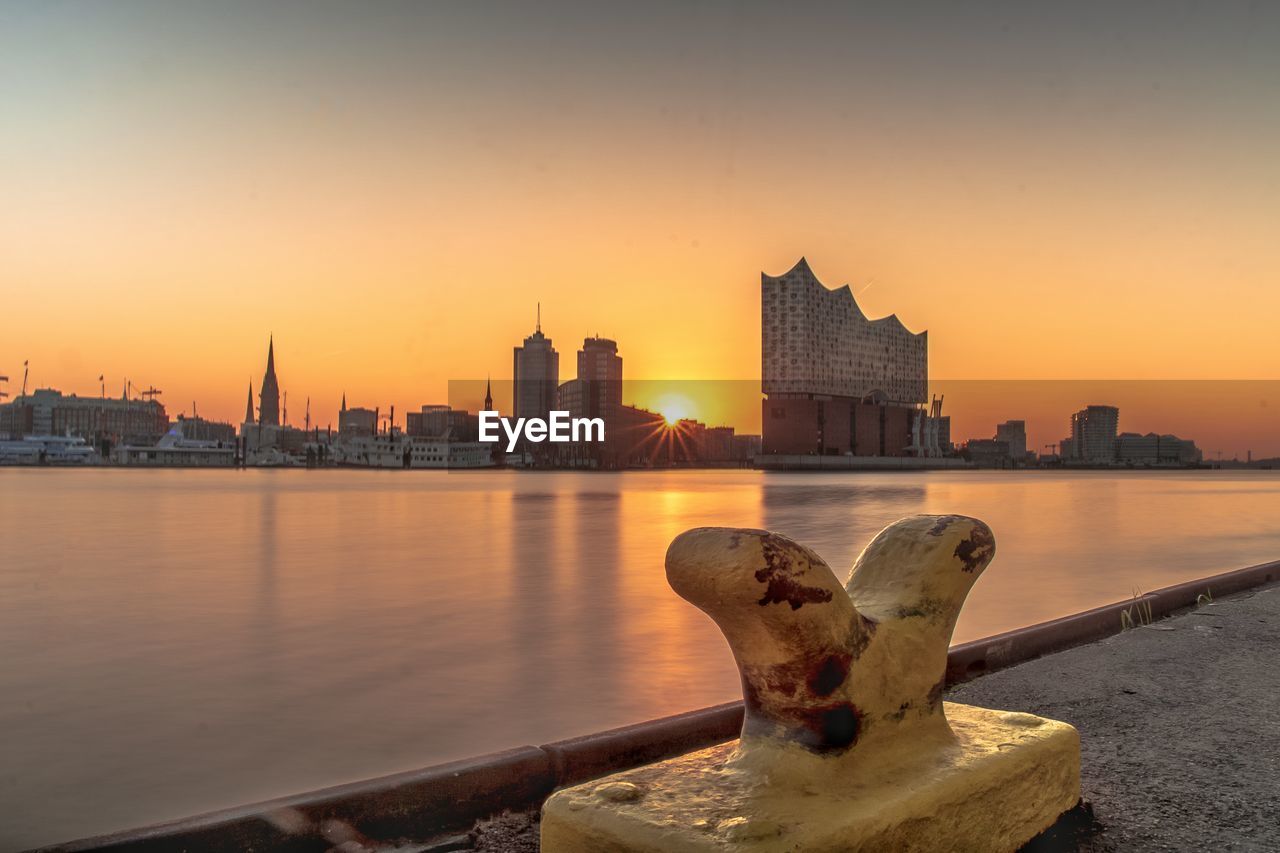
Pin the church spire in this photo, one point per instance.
(269, 397)
(248, 409)
(344, 401)
(488, 395)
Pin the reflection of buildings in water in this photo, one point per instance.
(536, 621)
(598, 609)
(805, 512)
(263, 629)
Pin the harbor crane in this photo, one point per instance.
(150, 393)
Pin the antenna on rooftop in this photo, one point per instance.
(539, 327)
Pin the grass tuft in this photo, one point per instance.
(1138, 613)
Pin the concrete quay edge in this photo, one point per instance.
(450, 797)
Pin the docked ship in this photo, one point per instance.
(399, 451)
(47, 450)
(175, 450)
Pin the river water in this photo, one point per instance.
(173, 642)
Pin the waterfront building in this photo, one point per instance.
(536, 375)
(837, 383)
(196, 428)
(717, 444)
(746, 447)
(1007, 450)
(269, 398)
(1014, 434)
(443, 422)
(989, 452)
(688, 441)
(570, 397)
(260, 438)
(836, 426)
(356, 421)
(1156, 449)
(600, 372)
(639, 439)
(818, 342)
(47, 411)
(1093, 436)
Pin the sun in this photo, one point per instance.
(674, 407)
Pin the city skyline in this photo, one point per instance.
(1231, 419)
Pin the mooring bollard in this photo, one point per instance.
(847, 744)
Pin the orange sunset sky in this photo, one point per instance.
(390, 188)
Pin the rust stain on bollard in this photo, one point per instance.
(845, 744)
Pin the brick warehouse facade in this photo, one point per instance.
(836, 426)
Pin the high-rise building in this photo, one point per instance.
(537, 375)
(269, 398)
(817, 341)
(1093, 435)
(600, 372)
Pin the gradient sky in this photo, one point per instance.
(1052, 190)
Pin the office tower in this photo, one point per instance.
(537, 375)
(1093, 434)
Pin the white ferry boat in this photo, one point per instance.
(400, 451)
(174, 450)
(47, 450)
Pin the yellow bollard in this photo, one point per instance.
(847, 744)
